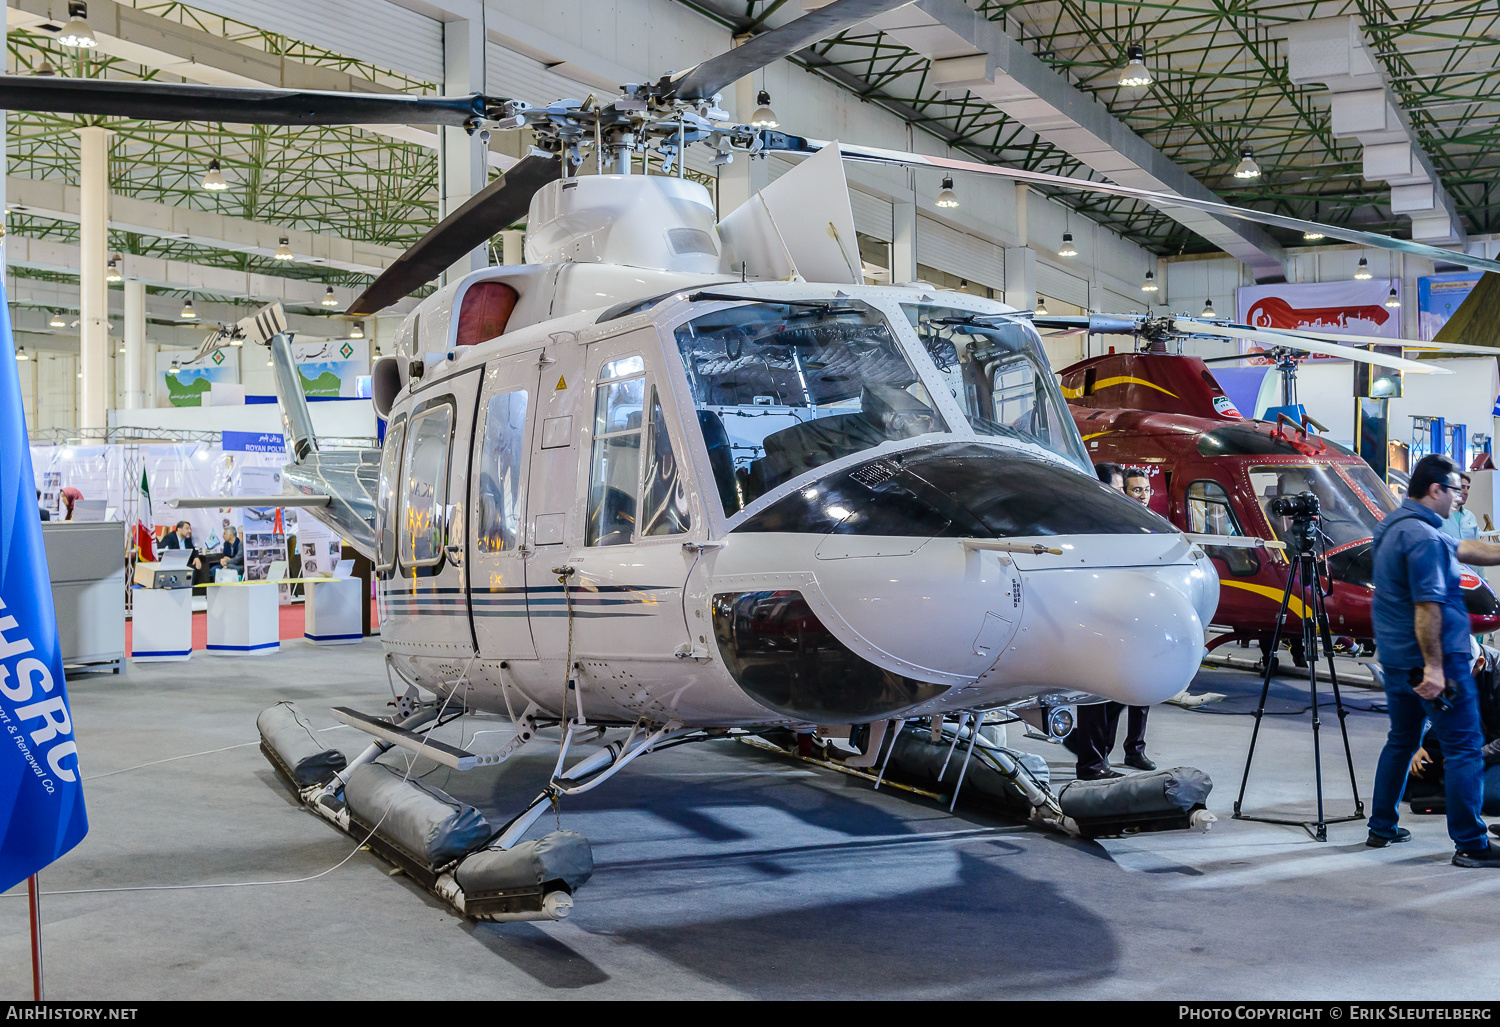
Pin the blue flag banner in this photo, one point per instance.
(41, 796)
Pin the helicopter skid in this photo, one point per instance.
(439, 842)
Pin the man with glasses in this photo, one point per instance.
(1138, 486)
(1422, 634)
(1461, 524)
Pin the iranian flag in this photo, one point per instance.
(145, 525)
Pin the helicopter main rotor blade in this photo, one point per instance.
(174, 101)
(1413, 344)
(704, 80)
(782, 143)
(1289, 340)
(488, 211)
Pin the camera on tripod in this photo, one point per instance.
(1304, 512)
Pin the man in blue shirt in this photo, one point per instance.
(1422, 634)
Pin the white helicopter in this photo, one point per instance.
(678, 479)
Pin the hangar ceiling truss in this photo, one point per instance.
(1221, 84)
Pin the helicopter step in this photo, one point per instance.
(442, 752)
(442, 843)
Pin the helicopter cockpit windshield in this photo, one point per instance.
(784, 387)
(998, 373)
(1351, 497)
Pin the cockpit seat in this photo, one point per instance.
(720, 457)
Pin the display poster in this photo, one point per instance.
(1438, 296)
(318, 546)
(191, 382)
(1349, 308)
(332, 368)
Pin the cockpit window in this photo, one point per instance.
(998, 373)
(783, 388)
(1351, 498)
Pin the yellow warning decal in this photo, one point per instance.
(562, 383)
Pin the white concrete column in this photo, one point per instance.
(135, 340)
(512, 247)
(1023, 211)
(93, 241)
(903, 242)
(1020, 277)
(462, 166)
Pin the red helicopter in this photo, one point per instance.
(1214, 471)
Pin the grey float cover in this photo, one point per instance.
(560, 856)
(425, 823)
(290, 741)
(1174, 791)
(917, 759)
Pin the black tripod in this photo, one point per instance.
(1302, 577)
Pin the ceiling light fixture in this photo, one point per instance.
(1149, 285)
(214, 180)
(1247, 168)
(764, 116)
(284, 251)
(1311, 236)
(173, 368)
(946, 197)
(358, 331)
(56, 320)
(45, 70)
(1068, 249)
(112, 271)
(1135, 73)
(1041, 306)
(188, 312)
(77, 32)
(21, 353)
(329, 299)
(1208, 309)
(1393, 301)
(1362, 272)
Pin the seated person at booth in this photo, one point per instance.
(232, 555)
(1425, 788)
(181, 537)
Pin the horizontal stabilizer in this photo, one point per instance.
(214, 502)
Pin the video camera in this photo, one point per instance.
(1304, 512)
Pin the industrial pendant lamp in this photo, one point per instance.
(1208, 309)
(188, 312)
(1393, 301)
(21, 353)
(46, 70)
(946, 197)
(1311, 236)
(112, 272)
(329, 299)
(1068, 249)
(1135, 73)
(1247, 168)
(1363, 271)
(358, 331)
(1149, 285)
(77, 32)
(214, 180)
(284, 251)
(56, 321)
(764, 116)
(173, 368)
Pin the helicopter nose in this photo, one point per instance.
(1129, 635)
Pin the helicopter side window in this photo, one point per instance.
(1210, 513)
(385, 509)
(425, 487)
(501, 463)
(783, 388)
(999, 374)
(664, 501)
(615, 467)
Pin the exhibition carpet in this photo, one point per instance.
(293, 622)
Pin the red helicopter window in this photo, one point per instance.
(486, 309)
(1209, 512)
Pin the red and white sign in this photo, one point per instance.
(1350, 307)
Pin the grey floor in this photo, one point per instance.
(725, 872)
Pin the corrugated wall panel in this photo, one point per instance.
(382, 33)
(1055, 283)
(872, 215)
(957, 253)
(515, 75)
